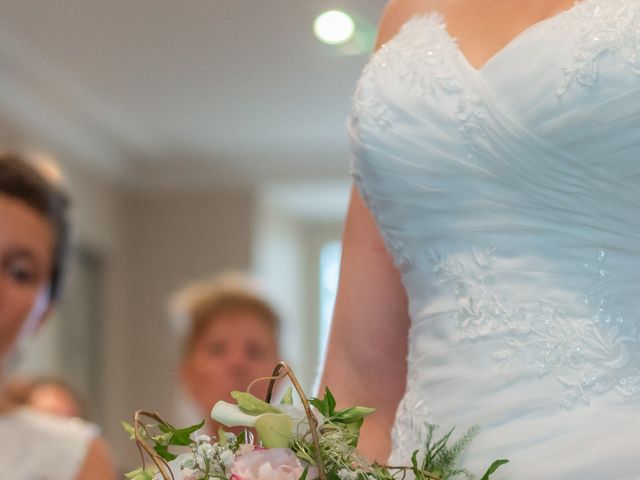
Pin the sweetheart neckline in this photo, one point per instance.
(505, 48)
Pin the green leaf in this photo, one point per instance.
(417, 472)
(354, 432)
(176, 436)
(304, 473)
(139, 474)
(320, 405)
(432, 458)
(274, 430)
(129, 429)
(165, 427)
(163, 439)
(327, 405)
(351, 419)
(352, 414)
(222, 437)
(333, 475)
(331, 402)
(287, 398)
(163, 451)
(494, 466)
(252, 405)
(182, 436)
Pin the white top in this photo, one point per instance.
(509, 198)
(37, 446)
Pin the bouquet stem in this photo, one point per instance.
(313, 423)
(143, 447)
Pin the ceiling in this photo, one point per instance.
(161, 93)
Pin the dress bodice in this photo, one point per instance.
(509, 197)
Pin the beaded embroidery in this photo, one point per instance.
(416, 61)
(589, 356)
(611, 27)
(412, 420)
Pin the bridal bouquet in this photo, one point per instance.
(307, 442)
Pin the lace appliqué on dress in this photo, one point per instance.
(482, 309)
(612, 26)
(416, 61)
(589, 356)
(411, 426)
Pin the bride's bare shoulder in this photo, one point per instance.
(397, 12)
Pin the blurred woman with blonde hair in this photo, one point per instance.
(230, 339)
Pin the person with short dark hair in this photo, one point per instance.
(34, 239)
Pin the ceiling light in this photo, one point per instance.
(333, 27)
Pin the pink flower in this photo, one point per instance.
(270, 464)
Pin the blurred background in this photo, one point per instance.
(196, 136)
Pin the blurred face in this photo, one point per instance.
(234, 350)
(26, 249)
(55, 400)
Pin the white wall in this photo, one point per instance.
(294, 221)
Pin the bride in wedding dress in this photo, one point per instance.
(491, 251)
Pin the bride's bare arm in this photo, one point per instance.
(366, 361)
(97, 463)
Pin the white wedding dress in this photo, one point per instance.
(509, 197)
(39, 446)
